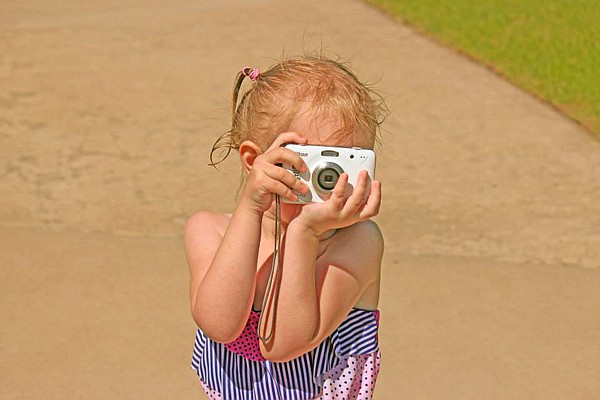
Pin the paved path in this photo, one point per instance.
(107, 112)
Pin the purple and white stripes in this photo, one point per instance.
(236, 377)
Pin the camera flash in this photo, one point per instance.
(330, 153)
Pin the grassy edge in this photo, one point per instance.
(587, 126)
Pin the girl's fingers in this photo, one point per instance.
(356, 200)
(282, 155)
(339, 191)
(288, 137)
(282, 175)
(371, 208)
(279, 188)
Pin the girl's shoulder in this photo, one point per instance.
(206, 222)
(202, 235)
(358, 248)
(364, 234)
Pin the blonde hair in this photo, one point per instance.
(295, 86)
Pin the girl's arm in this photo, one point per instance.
(310, 309)
(318, 292)
(223, 265)
(223, 271)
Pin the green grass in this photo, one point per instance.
(548, 47)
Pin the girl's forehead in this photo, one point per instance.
(324, 130)
(316, 129)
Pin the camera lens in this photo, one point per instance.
(327, 178)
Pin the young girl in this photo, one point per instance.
(320, 337)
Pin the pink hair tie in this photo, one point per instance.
(252, 74)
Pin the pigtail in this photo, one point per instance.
(234, 96)
(225, 142)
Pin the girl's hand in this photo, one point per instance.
(266, 178)
(338, 211)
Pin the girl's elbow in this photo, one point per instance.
(283, 349)
(221, 336)
(282, 353)
(216, 331)
(276, 355)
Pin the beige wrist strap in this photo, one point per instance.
(269, 305)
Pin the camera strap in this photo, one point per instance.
(269, 306)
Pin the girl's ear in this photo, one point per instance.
(248, 152)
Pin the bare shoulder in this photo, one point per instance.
(202, 235)
(365, 236)
(348, 274)
(367, 229)
(358, 248)
(203, 222)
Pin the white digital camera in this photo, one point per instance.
(325, 165)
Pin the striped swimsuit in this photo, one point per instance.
(344, 366)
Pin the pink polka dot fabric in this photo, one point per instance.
(352, 380)
(212, 394)
(247, 344)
